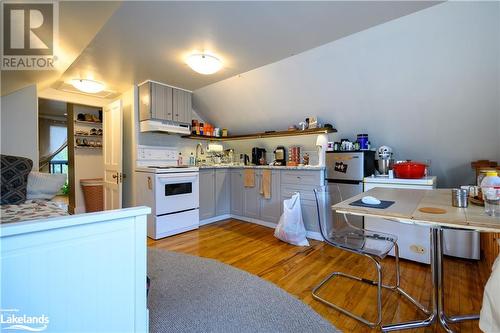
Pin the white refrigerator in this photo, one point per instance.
(414, 240)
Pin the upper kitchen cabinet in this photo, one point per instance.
(162, 102)
(181, 106)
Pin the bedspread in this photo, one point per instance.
(31, 210)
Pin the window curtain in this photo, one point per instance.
(52, 140)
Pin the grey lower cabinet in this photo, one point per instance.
(207, 194)
(222, 191)
(215, 192)
(251, 200)
(236, 200)
(271, 209)
(303, 182)
(248, 202)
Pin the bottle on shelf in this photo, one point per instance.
(179, 159)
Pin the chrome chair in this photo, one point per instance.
(338, 232)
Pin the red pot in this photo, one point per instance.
(409, 170)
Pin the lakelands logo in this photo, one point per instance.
(29, 36)
(12, 319)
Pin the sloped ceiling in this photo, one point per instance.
(79, 21)
(125, 43)
(150, 40)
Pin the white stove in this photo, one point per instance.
(171, 191)
(166, 169)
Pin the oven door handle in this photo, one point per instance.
(177, 178)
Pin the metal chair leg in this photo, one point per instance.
(380, 285)
(377, 283)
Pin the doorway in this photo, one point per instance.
(53, 142)
(73, 139)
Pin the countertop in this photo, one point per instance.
(408, 202)
(278, 167)
(431, 180)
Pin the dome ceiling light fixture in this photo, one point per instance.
(87, 86)
(204, 63)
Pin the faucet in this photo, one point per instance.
(197, 159)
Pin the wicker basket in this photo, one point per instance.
(93, 194)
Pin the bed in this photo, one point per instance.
(27, 194)
(83, 273)
(31, 210)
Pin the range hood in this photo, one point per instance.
(164, 126)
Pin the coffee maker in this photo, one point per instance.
(280, 156)
(257, 153)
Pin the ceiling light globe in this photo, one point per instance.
(204, 63)
(87, 86)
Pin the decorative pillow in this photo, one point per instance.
(44, 185)
(14, 173)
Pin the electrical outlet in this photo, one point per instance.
(417, 249)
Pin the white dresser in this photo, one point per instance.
(413, 240)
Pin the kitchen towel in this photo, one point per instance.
(249, 178)
(265, 185)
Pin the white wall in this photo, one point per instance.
(426, 84)
(19, 128)
(130, 133)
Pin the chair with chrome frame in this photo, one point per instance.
(338, 232)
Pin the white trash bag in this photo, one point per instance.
(291, 228)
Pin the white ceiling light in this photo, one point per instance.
(87, 86)
(204, 63)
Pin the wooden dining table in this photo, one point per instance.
(430, 208)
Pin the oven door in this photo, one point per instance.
(176, 192)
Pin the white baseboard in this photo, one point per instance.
(215, 219)
(310, 234)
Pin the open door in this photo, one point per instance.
(112, 149)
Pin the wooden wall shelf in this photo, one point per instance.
(263, 135)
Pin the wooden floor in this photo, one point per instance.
(297, 270)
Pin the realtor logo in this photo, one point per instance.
(29, 36)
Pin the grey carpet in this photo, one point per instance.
(193, 294)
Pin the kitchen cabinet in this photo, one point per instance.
(161, 102)
(230, 196)
(270, 209)
(222, 191)
(182, 106)
(303, 182)
(207, 194)
(236, 192)
(248, 202)
(251, 198)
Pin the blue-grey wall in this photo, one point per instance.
(426, 84)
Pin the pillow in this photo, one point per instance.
(44, 185)
(14, 175)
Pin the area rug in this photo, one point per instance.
(193, 294)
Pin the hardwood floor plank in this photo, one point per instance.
(298, 270)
